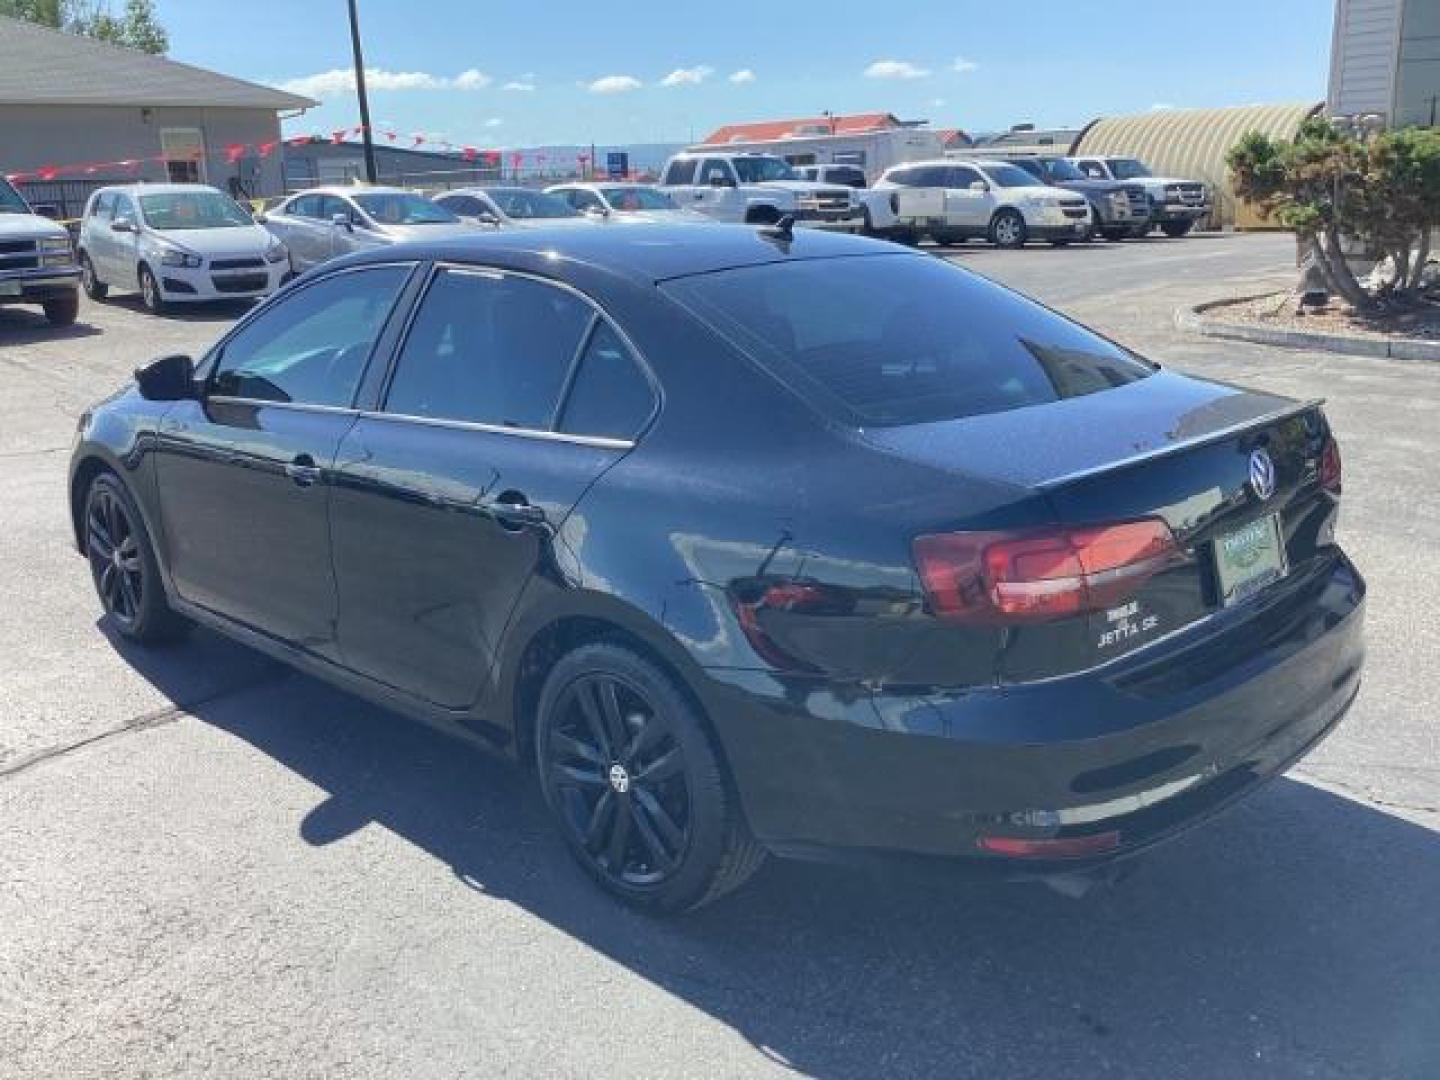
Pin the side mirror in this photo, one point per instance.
(979, 185)
(343, 221)
(597, 211)
(122, 224)
(47, 210)
(170, 378)
(485, 217)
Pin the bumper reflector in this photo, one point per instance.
(1057, 847)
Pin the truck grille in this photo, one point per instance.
(1186, 194)
(1139, 201)
(18, 255)
(826, 200)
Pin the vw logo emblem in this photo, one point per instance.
(1262, 475)
(619, 778)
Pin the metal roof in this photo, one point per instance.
(804, 127)
(40, 66)
(1191, 144)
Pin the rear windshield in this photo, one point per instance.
(884, 340)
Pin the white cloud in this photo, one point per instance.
(744, 75)
(937, 103)
(339, 81)
(494, 122)
(962, 65)
(895, 69)
(613, 84)
(688, 76)
(472, 80)
(524, 84)
(1160, 106)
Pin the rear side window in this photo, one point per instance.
(610, 397)
(488, 348)
(886, 340)
(681, 171)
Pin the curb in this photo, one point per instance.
(1196, 321)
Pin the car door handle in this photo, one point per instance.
(513, 511)
(303, 470)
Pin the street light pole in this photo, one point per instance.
(365, 133)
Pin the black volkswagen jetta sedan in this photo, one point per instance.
(747, 543)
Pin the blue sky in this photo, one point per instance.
(556, 71)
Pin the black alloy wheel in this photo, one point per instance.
(629, 772)
(122, 564)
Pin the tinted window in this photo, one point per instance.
(681, 172)
(403, 208)
(311, 347)
(103, 206)
(717, 171)
(124, 207)
(848, 175)
(1006, 175)
(961, 177)
(904, 339)
(761, 169)
(610, 396)
(488, 349)
(10, 200)
(525, 203)
(467, 205)
(1031, 166)
(305, 206)
(330, 205)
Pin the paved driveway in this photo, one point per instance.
(212, 867)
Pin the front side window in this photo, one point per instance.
(625, 199)
(610, 397)
(403, 208)
(961, 177)
(887, 340)
(10, 200)
(1060, 169)
(523, 204)
(716, 171)
(760, 170)
(681, 171)
(488, 348)
(103, 206)
(193, 210)
(311, 347)
(306, 206)
(124, 207)
(1129, 169)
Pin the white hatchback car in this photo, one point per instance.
(176, 243)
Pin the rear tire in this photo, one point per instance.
(150, 292)
(123, 565)
(1115, 235)
(95, 289)
(1176, 229)
(1008, 229)
(635, 783)
(62, 311)
(1059, 243)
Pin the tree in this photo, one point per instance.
(137, 28)
(1383, 190)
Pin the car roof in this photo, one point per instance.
(644, 254)
(156, 189)
(350, 190)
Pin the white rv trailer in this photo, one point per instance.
(813, 144)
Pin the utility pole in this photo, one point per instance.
(365, 133)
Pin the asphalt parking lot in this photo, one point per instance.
(212, 866)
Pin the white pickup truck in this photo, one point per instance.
(1176, 205)
(759, 189)
(37, 260)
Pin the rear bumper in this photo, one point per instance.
(1143, 747)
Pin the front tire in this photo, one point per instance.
(1008, 229)
(635, 784)
(62, 311)
(1176, 229)
(1115, 235)
(123, 565)
(95, 289)
(150, 292)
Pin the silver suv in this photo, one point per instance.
(37, 260)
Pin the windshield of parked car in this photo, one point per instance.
(403, 208)
(521, 203)
(1128, 169)
(887, 340)
(759, 170)
(1005, 175)
(10, 200)
(626, 199)
(1060, 169)
(175, 211)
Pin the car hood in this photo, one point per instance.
(241, 240)
(798, 187)
(28, 227)
(1095, 187)
(1036, 191)
(553, 223)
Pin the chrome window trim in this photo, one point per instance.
(598, 441)
(296, 406)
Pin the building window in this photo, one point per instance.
(184, 152)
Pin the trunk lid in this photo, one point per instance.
(1236, 475)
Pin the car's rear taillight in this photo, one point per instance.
(1330, 470)
(1035, 575)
